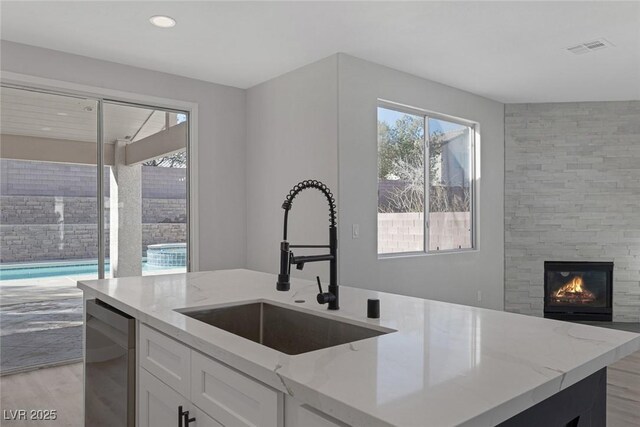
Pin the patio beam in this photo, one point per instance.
(160, 144)
(24, 147)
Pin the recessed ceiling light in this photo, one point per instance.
(62, 114)
(46, 128)
(162, 21)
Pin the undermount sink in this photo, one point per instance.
(282, 329)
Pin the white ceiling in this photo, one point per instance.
(507, 51)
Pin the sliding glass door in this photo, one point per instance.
(89, 188)
(49, 225)
(145, 191)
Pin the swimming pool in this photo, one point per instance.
(64, 268)
(168, 255)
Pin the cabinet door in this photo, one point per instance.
(166, 358)
(231, 398)
(202, 419)
(159, 406)
(158, 403)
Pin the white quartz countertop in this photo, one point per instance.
(447, 364)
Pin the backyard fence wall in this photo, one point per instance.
(403, 232)
(48, 211)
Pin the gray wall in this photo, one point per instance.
(455, 277)
(320, 122)
(221, 136)
(291, 136)
(572, 192)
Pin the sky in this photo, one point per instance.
(391, 116)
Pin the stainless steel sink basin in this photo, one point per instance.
(283, 329)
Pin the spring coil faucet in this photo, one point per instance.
(287, 258)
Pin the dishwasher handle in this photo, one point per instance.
(113, 317)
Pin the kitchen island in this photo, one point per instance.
(434, 364)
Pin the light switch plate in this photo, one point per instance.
(355, 231)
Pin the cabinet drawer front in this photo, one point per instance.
(231, 398)
(202, 419)
(165, 358)
(158, 402)
(297, 415)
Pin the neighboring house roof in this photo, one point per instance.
(452, 134)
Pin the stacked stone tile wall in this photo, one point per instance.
(48, 211)
(572, 192)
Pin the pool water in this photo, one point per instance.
(34, 271)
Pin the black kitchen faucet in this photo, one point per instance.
(287, 257)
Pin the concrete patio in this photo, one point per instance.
(42, 321)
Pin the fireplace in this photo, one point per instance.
(578, 290)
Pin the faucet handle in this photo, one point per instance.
(324, 297)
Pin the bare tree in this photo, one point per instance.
(407, 170)
(408, 194)
(175, 160)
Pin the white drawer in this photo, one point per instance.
(166, 358)
(297, 415)
(232, 398)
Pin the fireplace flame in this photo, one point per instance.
(574, 291)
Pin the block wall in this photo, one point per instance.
(48, 211)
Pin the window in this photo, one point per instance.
(425, 182)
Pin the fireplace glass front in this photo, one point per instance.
(578, 290)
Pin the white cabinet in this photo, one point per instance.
(172, 375)
(232, 398)
(297, 415)
(202, 419)
(158, 403)
(166, 358)
(159, 406)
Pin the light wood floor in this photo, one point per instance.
(60, 388)
(623, 392)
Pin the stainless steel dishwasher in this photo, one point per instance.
(110, 367)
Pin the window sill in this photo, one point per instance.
(396, 255)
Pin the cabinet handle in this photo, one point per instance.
(183, 418)
(188, 420)
(180, 416)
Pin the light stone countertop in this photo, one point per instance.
(446, 365)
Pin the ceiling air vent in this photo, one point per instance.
(587, 47)
(578, 49)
